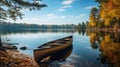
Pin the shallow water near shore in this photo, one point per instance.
(90, 49)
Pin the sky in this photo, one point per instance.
(60, 12)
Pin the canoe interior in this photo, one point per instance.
(56, 43)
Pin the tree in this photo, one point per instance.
(110, 11)
(12, 8)
(93, 17)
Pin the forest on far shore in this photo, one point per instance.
(21, 26)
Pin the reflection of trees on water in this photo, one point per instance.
(82, 31)
(25, 31)
(38, 31)
(109, 46)
(110, 49)
(95, 39)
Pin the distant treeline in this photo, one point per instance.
(23, 26)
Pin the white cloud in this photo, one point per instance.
(29, 20)
(51, 16)
(78, 16)
(89, 7)
(61, 9)
(71, 16)
(81, 16)
(66, 6)
(57, 16)
(63, 16)
(67, 2)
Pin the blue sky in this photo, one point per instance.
(60, 12)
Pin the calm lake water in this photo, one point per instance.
(90, 49)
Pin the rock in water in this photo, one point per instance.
(23, 48)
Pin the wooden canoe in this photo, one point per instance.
(51, 48)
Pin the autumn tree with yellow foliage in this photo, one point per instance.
(93, 17)
(108, 14)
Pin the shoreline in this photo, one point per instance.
(105, 29)
(14, 58)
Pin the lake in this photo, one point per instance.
(90, 48)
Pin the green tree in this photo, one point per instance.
(82, 26)
(12, 8)
(79, 26)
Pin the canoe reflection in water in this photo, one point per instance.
(57, 50)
